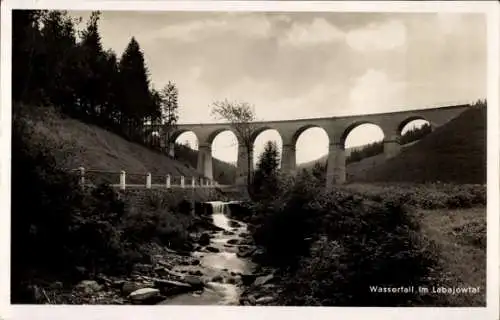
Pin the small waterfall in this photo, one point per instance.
(219, 218)
(218, 206)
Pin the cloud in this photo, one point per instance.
(318, 31)
(250, 26)
(375, 92)
(383, 36)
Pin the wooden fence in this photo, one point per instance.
(124, 180)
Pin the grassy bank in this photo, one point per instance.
(63, 234)
(330, 247)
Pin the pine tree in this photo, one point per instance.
(93, 62)
(26, 56)
(59, 51)
(169, 109)
(135, 98)
(265, 181)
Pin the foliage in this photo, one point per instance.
(415, 134)
(365, 151)
(241, 116)
(266, 177)
(54, 65)
(331, 246)
(66, 233)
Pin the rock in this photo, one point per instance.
(245, 254)
(252, 300)
(88, 286)
(195, 282)
(117, 284)
(204, 239)
(195, 272)
(233, 224)
(195, 262)
(265, 299)
(144, 294)
(212, 249)
(161, 271)
(217, 278)
(263, 280)
(231, 280)
(142, 267)
(228, 233)
(233, 241)
(128, 287)
(169, 287)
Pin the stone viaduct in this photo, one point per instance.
(337, 129)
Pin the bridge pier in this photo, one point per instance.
(242, 165)
(288, 158)
(205, 161)
(171, 149)
(391, 145)
(336, 172)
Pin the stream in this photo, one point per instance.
(220, 267)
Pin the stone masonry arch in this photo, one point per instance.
(336, 128)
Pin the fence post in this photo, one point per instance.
(148, 180)
(82, 177)
(168, 181)
(182, 181)
(193, 182)
(122, 180)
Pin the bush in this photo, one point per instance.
(56, 226)
(356, 243)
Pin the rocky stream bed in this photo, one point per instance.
(220, 271)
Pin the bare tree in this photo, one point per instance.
(241, 116)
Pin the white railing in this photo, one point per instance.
(168, 181)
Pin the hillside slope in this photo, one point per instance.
(454, 153)
(80, 144)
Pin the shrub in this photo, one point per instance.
(361, 243)
(56, 226)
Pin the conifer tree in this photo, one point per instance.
(59, 51)
(265, 181)
(135, 97)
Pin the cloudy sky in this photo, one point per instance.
(305, 65)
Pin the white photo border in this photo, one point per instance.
(489, 8)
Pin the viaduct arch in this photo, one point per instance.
(337, 129)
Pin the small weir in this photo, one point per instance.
(220, 267)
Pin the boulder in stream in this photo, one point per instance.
(263, 280)
(204, 239)
(144, 295)
(169, 287)
(212, 249)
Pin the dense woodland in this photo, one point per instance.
(55, 64)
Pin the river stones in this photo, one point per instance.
(265, 300)
(143, 295)
(169, 287)
(195, 282)
(233, 241)
(233, 224)
(128, 287)
(212, 249)
(263, 280)
(204, 239)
